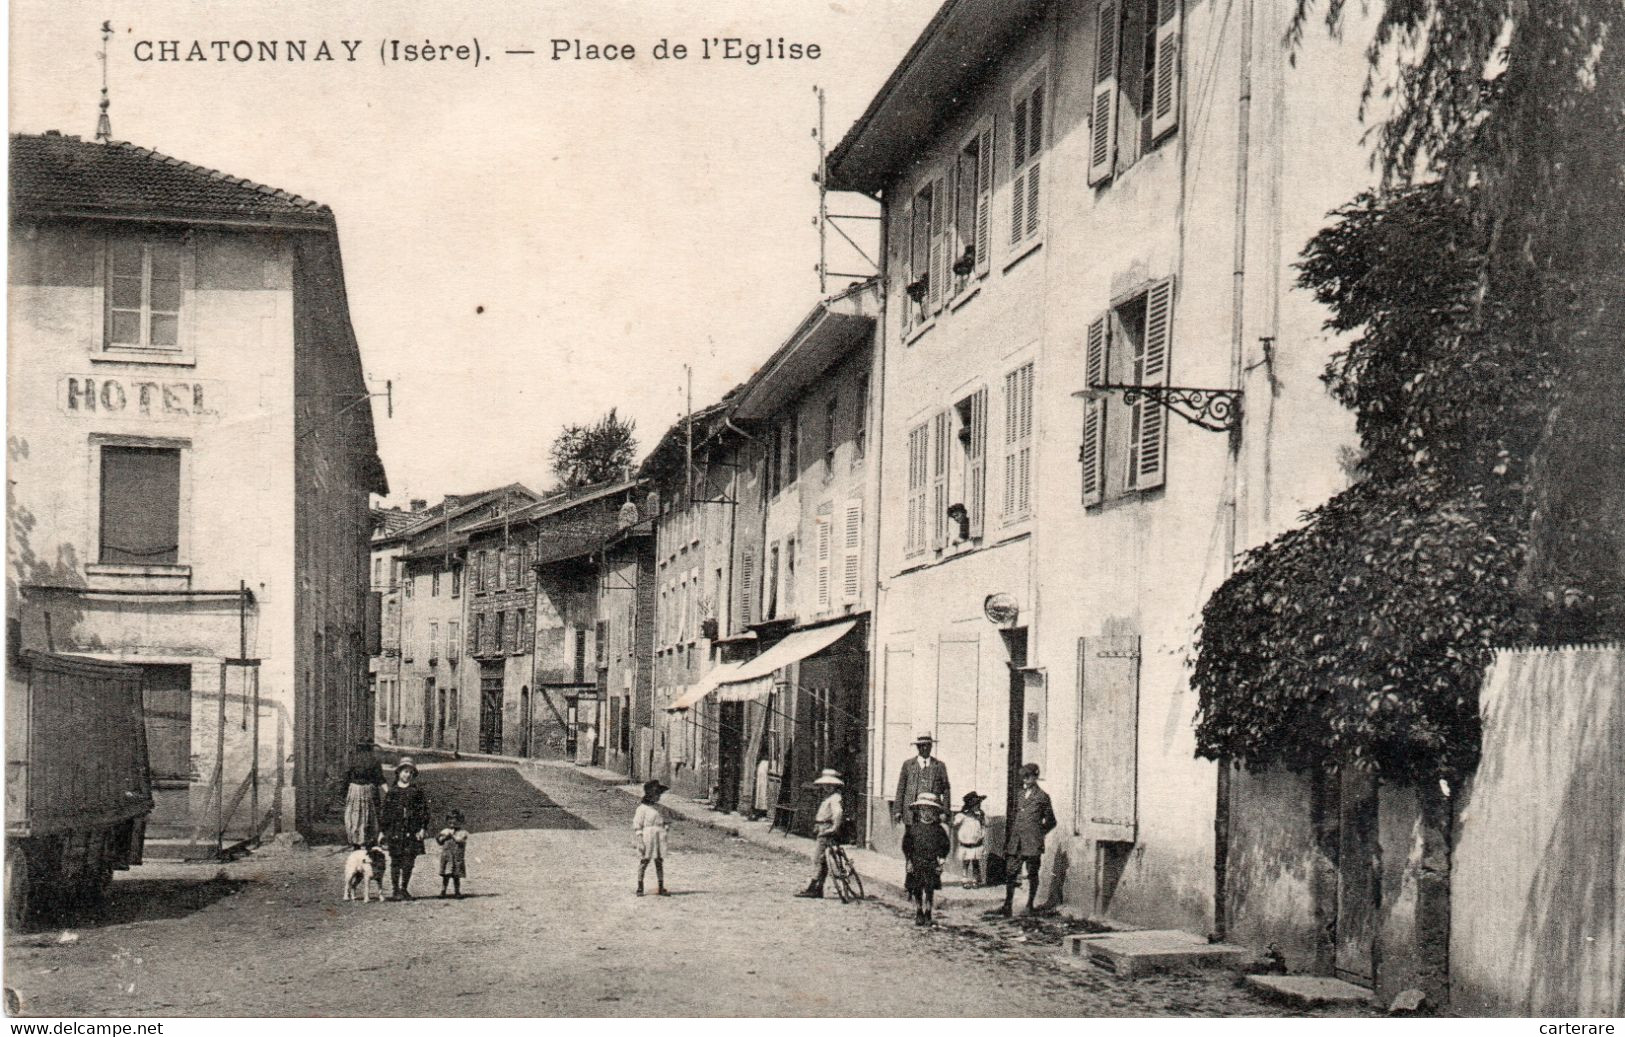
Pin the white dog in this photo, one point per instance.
(363, 869)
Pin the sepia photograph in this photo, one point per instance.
(892, 510)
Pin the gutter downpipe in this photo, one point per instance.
(1232, 531)
(877, 399)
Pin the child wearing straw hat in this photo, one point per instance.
(404, 820)
(826, 827)
(649, 832)
(925, 847)
(970, 832)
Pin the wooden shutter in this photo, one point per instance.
(919, 264)
(1025, 430)
(1103, 107)
(976, 463)
(747, 587)
(1092, 453)
(1108, 742)
(939, 244)
(1018, 155)
(1152, 449)
(1007, 503)
(824, 523)
(939, 480)
(1165, 105)
(852, 551)
(984, 199)
(1035, 148)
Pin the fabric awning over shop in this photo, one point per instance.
(702, 687)
(744, 683)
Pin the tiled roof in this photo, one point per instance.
(54, 175)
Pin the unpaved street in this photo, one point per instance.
(550, 927)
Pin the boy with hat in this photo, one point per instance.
(925, 847)
(1024, 844)
(649, 830)
(970, 832)
(827, 828)
(921, 774)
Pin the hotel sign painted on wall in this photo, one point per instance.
(140, 398)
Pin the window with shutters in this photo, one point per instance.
(521, 630)
(971, 488)
(830, 407)
(434, 584)
(409, 636)
(454, 642)
(860, 437)
(1016, 501)
(434, 643)
(476, 631)
(792, 451)
(919, 450)
(140, 522)
(973, 202)
(929, 261)
(144, 279)
(1029, 122)
(790, 573)
(1136, 82)
(456, 581)
(1124, 447)
(770, 604)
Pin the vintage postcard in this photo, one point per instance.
(925, 508)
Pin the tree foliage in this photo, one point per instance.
(602, 450)
(1482, 287)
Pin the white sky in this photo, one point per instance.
(614, 219)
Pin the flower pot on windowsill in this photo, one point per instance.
(916, 289)
(965, 263)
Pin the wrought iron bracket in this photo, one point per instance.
(1217, 410)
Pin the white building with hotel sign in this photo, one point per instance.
(190, 449)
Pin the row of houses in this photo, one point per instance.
(983, 494)
(919, 515)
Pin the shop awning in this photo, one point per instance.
(743, 682)
(702, 687)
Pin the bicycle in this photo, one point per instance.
(844, 874)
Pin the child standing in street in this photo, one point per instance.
(649, 832)
(970, 832)
(925, 847)
(453, 840)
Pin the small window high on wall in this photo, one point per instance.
(140, 505)
(144, 294)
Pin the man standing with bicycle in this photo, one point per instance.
(827, 828)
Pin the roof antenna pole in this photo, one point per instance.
(688, 450)
(104, 125)
(823, 198)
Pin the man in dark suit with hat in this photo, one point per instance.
(1024, 841)
(924, 773)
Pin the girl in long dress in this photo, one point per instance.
(366, 779)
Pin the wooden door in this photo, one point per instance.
(491, 708)
(166, 700)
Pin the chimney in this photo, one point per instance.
(419, 504)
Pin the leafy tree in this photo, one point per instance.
(602, 450)
(1483, 285)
